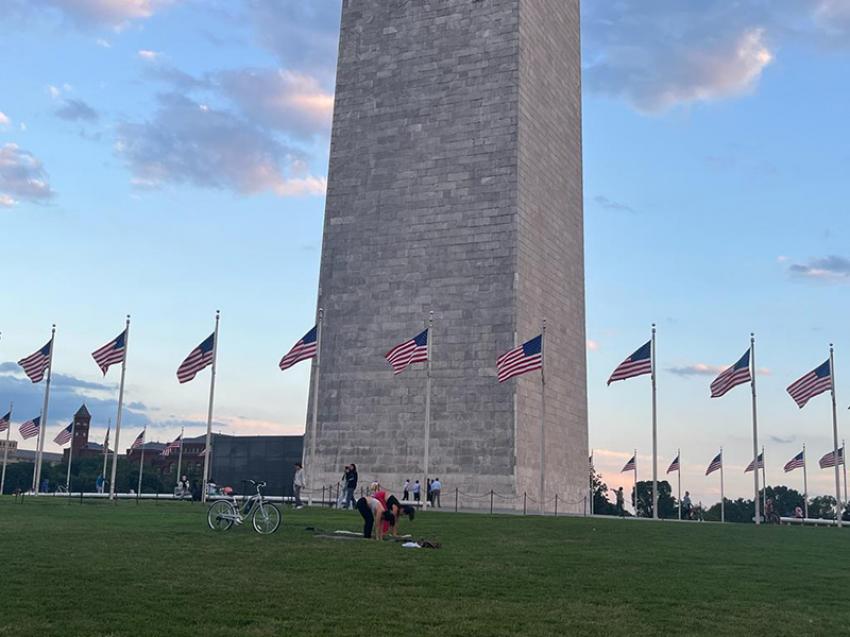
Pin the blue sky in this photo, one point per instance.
(168, 159)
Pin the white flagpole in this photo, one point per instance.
(844, 463)
(805, 485)
(764, 479)
(120, 408)
(428, 397)
(654, 436)
(543, 420)
(679, 473)
(210, 410)
(314, 421)
(106, 449)
(757, 517)
(42, 429)
(70, 456)
(6, 450)
(142, 460)
(722, 496)
(636, 495)
(590, 481)
(180, 455)
(835, 435)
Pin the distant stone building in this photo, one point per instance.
(80, 442)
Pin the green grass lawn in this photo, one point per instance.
(156, 569)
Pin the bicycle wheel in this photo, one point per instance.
(266, 518)
(221, 515)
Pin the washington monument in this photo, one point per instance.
(455, 187)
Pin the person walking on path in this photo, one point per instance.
(298, 483)
(417, 489)
(436, 487)
(99, 483)
(405, 491)
(350, 486)
(686, 506)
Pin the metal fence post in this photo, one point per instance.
(323, 494)
(456, 493)
(524, 502)
(491, 501)
(556, 505)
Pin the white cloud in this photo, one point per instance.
(117, 14)
(831, 269)
(282, 99)
(147, 54)
(104, 43)
(6, 201)
(212, 149)
(4, 119)
(22, 176)
(54, 91)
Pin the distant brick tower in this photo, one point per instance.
(455, 186)
(82, 421)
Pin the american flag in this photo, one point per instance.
(413, 351)
(637, 364)
(30, 428)
(828, 459)
(815, 382)
(752, 463)
(37, 363)
(171, 446)
(674, 466)
(139, 441)
(520, 360)
(736, 375)
(111, 353)
(64, 436)
(301, 351)
(630, 465)
(796, 462)
(198, 358)
(715, 464)
(5, 421)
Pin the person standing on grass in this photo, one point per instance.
(405, 491)
(686, 505)
(350, 486)
(417, 488)
(298, 483)
(99, 483)
(373, 511)
(436, 487)
(621, 510)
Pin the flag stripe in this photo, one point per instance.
(301, 351)
(198, 358)
(528, 357)
(111, 353)
(30, 428)
(795, 463)
(37, 363)
(409, 352)
(638, 364)
(815, 382)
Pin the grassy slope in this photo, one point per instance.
(155, 569)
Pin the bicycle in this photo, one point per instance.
(265, 517)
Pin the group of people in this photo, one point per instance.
(381, 512)
(433, 489)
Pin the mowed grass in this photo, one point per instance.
(156, 569)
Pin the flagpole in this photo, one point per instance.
(835, 435)
(6, 450)
(722, 497)
(654, 436)
(142, 461)
(314, 420)
(757, 517)
(590, 481)
(70, 456)
(763, 479)
(844, 464)
(180, 455)
(636, 497)
(106, 448)
(543, 420)
(679, 474)
(210, 410)
(42, 429)
(805, 484)
(120, 408)
(428, 397)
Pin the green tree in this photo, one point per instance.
(601, 504)
(667, 505)
(822, 506)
